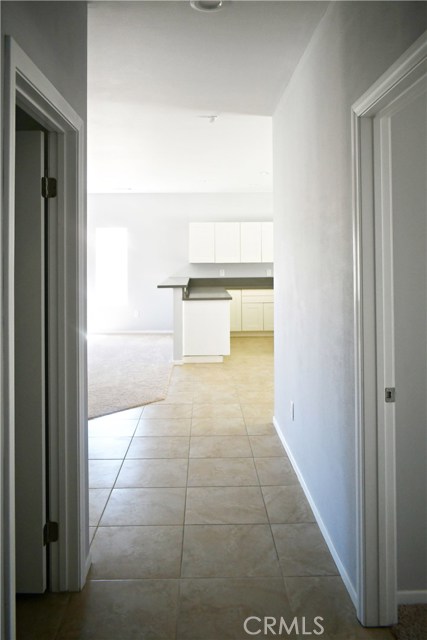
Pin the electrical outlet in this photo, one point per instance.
(222, 272)
(269, 272)
(292, 411)
(136, 313)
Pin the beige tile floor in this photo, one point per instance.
(198, 521)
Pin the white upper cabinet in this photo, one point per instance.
(250, 241)
(230, 242)
(201, 242)
(227, 242)
(267, 242)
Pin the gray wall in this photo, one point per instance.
(409, 149)
(54, 35)
(158, 247)
(353, 45)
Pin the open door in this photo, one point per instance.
(390, 240)
(30, 365)
(400, 179)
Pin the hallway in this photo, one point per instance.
(198, 521)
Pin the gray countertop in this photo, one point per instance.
(174, 282)
(239, 282)
(206, 284)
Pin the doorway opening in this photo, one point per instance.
(30, 96)
(386, 172)
(31, 344)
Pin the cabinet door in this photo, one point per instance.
(267, 242)
(227, 242)
(201, 243)
(268, 316)
(250, 241)
(236, 310)
(252, 317)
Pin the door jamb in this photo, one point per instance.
(27, 86)
(376, 587)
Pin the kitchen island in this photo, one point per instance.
(202, 312)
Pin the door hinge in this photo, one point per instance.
(50, 532)
(390, 394)
(49, 189)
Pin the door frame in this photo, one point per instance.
(25, 85)
(375, 447)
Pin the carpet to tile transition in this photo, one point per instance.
(127, 371)
(412, 623)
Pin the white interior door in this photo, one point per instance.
(30, 375)
(400, 143)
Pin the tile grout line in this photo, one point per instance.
(114, 483)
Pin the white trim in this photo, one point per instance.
(385, 371)
(376, 584)
(408, 68)
(342, 571)
(412, 597)
(27, 86)
(2, 364)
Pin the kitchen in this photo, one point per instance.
(227, 289)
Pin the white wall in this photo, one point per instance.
(158, 247)
(353, 45)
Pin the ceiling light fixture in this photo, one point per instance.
(208, 6)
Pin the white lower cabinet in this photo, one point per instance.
(235, 310)
(268, 316)
(252, 310)
(252, 316)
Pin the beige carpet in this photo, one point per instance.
(127, 371)
(412, 623)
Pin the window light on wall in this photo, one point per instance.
(111, 266)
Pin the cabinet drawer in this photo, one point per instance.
(257, 295)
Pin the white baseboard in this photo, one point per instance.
(342, 571)
(412, 597)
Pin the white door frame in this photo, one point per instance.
(375, 464)
(26, 86)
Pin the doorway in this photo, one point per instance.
(389, 133)
(69, 561)
(31, 342)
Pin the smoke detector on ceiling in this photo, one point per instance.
(208, 6)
